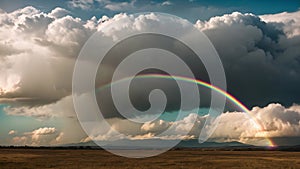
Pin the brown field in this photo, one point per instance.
(67, 159)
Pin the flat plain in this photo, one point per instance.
(185, 158)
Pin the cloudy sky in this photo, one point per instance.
(257, 41)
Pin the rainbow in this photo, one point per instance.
(205, 84)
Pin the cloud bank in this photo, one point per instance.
(261, 57)
(271, 121)
(38, 51)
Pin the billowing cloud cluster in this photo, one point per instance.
(271, 121)
(37, 55)
(288, 22)
(41, 136)
(38, 51)
(260, 58)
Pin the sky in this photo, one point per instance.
(257, 41)
(193, 9)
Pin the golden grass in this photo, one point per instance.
(88, 159)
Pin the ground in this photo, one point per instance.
(65, 159)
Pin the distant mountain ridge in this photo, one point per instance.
(149, 143)
(195, 144)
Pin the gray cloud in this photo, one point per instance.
(261, 60)
(83, 4)
(105, 4)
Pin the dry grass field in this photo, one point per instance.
(88, 159)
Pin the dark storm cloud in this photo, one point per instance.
(140, 89)
(261, 62)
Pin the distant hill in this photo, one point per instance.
(161, 144)
(196, 144)
(149, 144)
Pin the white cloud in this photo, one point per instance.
(59, 12)
(166, 3)
(122, 129)
(59, 138)
(38, 137)
(120, 6)
(278, 121)
(155, 126)
(38, 133)
(40, 51)
(273, 120)
(19, 140)
(12, 132)
(288, 21)
(43, 131)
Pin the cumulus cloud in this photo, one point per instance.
(125, 129)
(22, 140)
(59, 138)
(46, 136)
(289, 22)
(12, 132)
(271, 121)
(277, 120)
(120, 6)
(38, 51)
(59, 12)
(36, 134)
(38, 137)
(260, 58)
